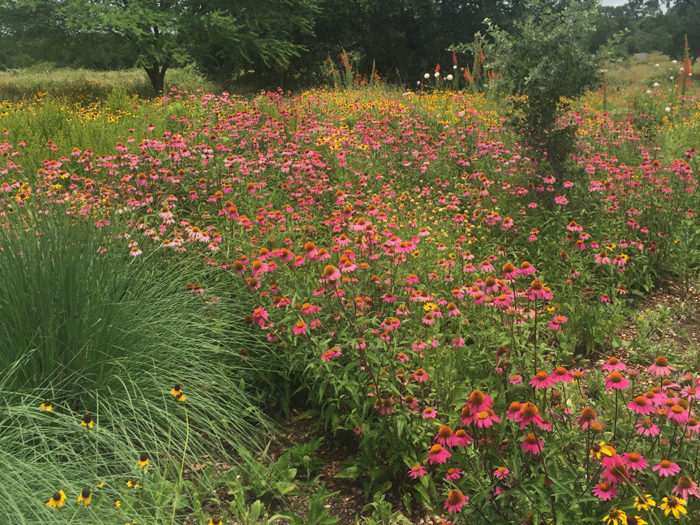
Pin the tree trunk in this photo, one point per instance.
(156, 75)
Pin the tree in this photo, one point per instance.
(542, 61)
(222, 35)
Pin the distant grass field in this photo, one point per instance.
(21, 84)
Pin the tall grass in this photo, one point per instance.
(99, 333)
(22, 84)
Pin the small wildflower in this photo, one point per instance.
(87, 420)
(686, 487)
(417, 471)
(85, 496)
(46, 405)
(57, 500)
(215, 520)
(143, 459)
(636, 520)
(455, 501)
(132, 484)
(674, 505)
(644, 502)
(666, 468)
(438, 454)
(615, 517)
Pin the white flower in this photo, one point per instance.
(418, 83)
(682, 70)
(454, 66)
(667, 109)
(449, 77)
(670, 78)
(437, 74)
(656, 84)
(426, 76)
(674, 62)
(656, 65)
(648, 91)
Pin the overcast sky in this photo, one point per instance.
(613, 2)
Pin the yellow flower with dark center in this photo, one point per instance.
(644, 502)
(46, 405)
(85, 496)
(143, 459)
(117, 504)
(176, 392)
(57, 500)
(674, 505)
(87, 420)
(132, 484)
(615, 517)
(636, 520)
(215, 520)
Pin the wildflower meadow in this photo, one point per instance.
(184, 274)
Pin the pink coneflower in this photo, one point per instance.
(640, 405)
(605, 491)
(635, 461)
(530, 414)
(455, 501)
(513, 412)
(685, 487)
(526, 268)
(479, 401)
(541, 380)
(561, 375)
(429, 413)
(616, 474)
(486, 418)
(420, 375)
(461, 438)
(501, 472)
(453, 474)
(516, 379)
(666, 468)
(299, 328)
(690, 393)
(330, 274)
(538, 290)
(614, 365)
(556, 322)
(678, 413)
(445, 436)
(646, 427)
(660, 367)
(588, 417)
(331, 354)
(615, 381)
(402, 357)
(532, 444)
(411, 402)
(509, 271)
(438, 454)
(417, 471)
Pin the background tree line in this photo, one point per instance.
(287, 42)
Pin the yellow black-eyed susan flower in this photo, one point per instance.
(143, 459)
(87, 420)
(46, 405)
(85, 496)
(215, 520)
(117, 504)
(674, 505)
(132, 484)
(101, 484)
(175, 390)
(57, 500)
